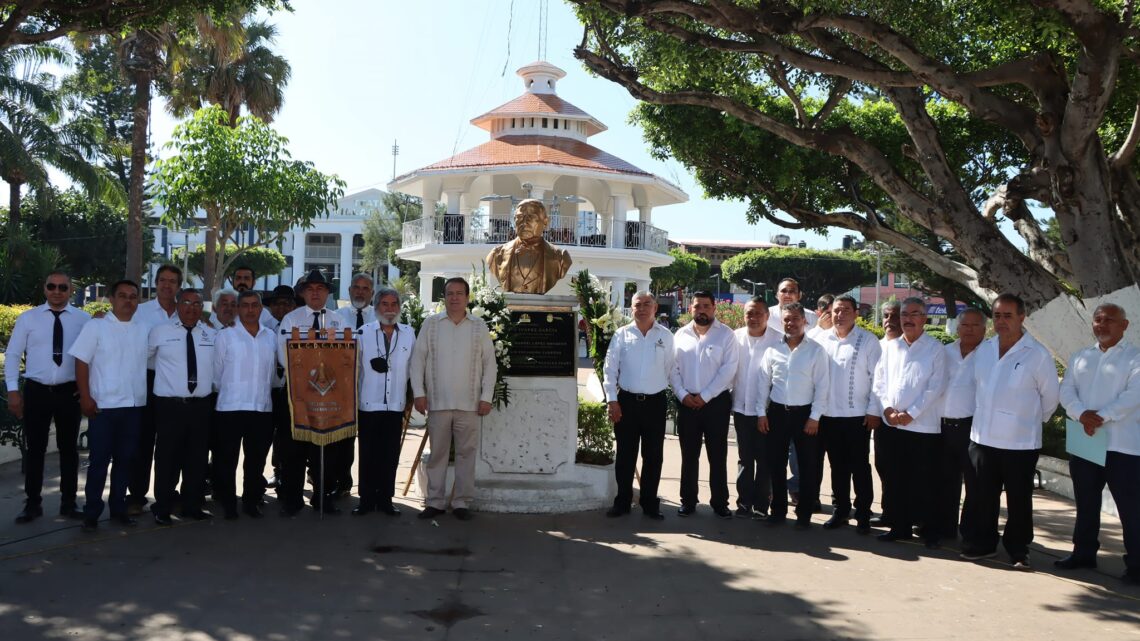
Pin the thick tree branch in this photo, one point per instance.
(779, 76)
(834, 98)
(1123, 156)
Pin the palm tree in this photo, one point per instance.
(34, 135)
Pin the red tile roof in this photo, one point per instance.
(535, 103)
(537, 150)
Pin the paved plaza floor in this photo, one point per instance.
(572, 576)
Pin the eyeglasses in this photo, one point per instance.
(51, 287)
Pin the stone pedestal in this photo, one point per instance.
(526, 452)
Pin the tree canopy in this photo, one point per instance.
(264, 261)
(238, 178)
(685, 270)
(948, 115)
(818, 272)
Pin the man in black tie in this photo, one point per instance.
(312, 315)
(355, 316)
(183, 354)
(42, 335)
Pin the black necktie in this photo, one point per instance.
(359, 318)
(317, 321)
(191, 361)
(57, 339)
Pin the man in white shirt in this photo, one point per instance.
(110, 372)
(825, 319)
(636, 373)
(753, 483)
(453, 382)
(704, 364)
(244, 362)
(892, 329)
(161, 309)
(41, 337)
(1101, 391)
(788, 291)
(957, 414)
(223, 313)
(243, 278)
(314, 315)
(852, 412)
(792, 387)
(280, 302)
(183, 356)
(355, 316)
(909, 382)
(385, 355)
(1017, 389)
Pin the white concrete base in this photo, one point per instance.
(588, 487)
(1054, 474)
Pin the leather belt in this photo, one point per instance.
(68, 386)
(185, 399)
(958, 422)
(641, 398)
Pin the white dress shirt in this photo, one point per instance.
(302, 319)
(167, 348)
(750, 350)
(267, 319)
(32, 338)
(959, 401)
(793, 377)
(151, 313)
(853, 360)
(638, 363)
(1015, 394)
(244, 366)
(816, 333)
(911, 378)
(348, 314)
(1107, 383)
(776, 319)
(703, 365)
(386, 392)
(116, 353)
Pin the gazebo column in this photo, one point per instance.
(345, 264)
(621, 205)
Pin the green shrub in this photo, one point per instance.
(94, 307)
(870, 327)
(24, 266)
(8, 314)
(938, 332)
(731, 314)
(595, 434)
(1053, 435)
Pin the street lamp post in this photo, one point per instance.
(754, 285)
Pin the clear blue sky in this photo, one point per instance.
(366, 73)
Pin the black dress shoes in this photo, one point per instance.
(835, 522)
(30, 513)
(389, 509)
(124, 519)
(163, 519)
(462, 513)
(429, 512)
(686, 510)
(198, 515)
(289, 512)
(723, 512)
(253, 511)
(775, 520)
(90, 524)
(895, 535)
(803, 524)
(863, 526)
(615, 512)
(70, 510)
(1073, 562)
(361, 510)
(655, 515)
(877, 521)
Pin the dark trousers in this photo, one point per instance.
(345, 457)
(299, 455)
(710, 424)
(786, 425)
(1089, 480)
(251, 434)
(910, 468)
(847, 442)
(753, 483)
(182, 441)
(642, 425)
(882, 447)
(112, 438)
(139, 483)
(282, 430)
(379, 439)
(1123, 472)
(954, 469)
(42, 405)
(1013, 470)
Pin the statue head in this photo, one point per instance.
(530, 220)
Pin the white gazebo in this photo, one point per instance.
(538, 149)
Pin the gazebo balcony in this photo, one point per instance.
(480, 228)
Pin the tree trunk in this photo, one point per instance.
(14, 187)
(139, 121)
(209, 266)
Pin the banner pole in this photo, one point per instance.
(321, 483)
(416, 462)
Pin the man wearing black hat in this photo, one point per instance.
(312, 315)
(280, 302)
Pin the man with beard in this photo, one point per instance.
(753, 483)
(243, 278)
(852, 413)
(223, 314)
(909, 382)
(1101, 391)
(1017, 389)
(704, 365)
(183, 356)
(42, 335)
(385, 352)
(792, 393)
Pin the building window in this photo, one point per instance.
(544, 123)
(322, 246)
(357, 249)
(512, 123)
(901, 280)
(556, 123)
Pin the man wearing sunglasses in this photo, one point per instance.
(42, 335)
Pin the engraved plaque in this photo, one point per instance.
(545, 343)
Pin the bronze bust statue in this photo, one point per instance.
(528, 264)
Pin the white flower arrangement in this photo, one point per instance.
(490, 305)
